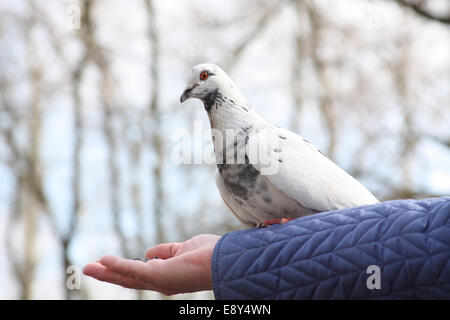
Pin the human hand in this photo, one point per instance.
(181, 267)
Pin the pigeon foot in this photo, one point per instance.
(145, 259)
(271, 222)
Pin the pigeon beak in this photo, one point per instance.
(187, 93)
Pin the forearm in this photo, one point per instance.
(329, 255)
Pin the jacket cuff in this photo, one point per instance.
(215, 269)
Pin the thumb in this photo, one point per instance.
(164, 251)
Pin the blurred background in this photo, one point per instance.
(89, 99)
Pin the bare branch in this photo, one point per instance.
(325, 99)
(266, 16)
(154, 113)
(419, 8)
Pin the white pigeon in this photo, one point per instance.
(304, 181)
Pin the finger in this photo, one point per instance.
(102, 273)
(132, 268)
(156, 273)
(186, 273)
(164, 251)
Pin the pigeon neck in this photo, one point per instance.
(230, 113)
(227, 108)
(232, 121)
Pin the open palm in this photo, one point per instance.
(181, 267)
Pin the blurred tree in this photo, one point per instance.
(29, 199)
(370, 85)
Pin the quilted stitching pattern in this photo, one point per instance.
(325, 256)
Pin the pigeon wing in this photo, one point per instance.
(303, 173)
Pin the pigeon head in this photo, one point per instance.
(208, 83)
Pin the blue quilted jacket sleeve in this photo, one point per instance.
(393, 250)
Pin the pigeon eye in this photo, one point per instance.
(204, 75)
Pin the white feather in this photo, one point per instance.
(308, 176)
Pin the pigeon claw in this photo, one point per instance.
(271, 222)
(145, 259)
